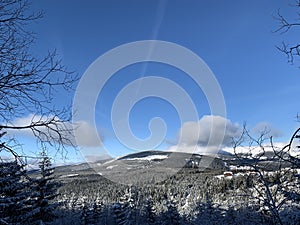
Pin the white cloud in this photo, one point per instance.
(95, 158)
(265, 127)
(88, 135)
(210, 133)
(267, 147)
(25, 121)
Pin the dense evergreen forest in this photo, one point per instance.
(188, 197)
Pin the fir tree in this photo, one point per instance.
(97, 213)
(44, 190)
(172, 215)
(149, 211)
(84, 215)
(120, 213)
(15, 205)
(125, 210)
(91, 214)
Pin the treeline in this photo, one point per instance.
(25, 199)
(188, 197)
(185, 198)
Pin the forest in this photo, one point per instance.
(252, 194)
(259, 185)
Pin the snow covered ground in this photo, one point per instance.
(150, 157)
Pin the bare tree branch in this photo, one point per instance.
(275, 188)
(27, 83)
(284, 25)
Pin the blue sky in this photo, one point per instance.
(234, 38)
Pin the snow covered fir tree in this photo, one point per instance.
(248, 179)
(15, 193)
(251, 189)
(25, 199)
(44, 191)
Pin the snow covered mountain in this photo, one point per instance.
(143, 166)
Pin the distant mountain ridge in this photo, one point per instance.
(148, 155)
(166, 153)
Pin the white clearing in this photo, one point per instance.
(150, 157)
(111, 167)
(69, 175)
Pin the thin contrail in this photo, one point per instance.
(161, 8)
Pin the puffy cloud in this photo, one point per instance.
(97, 157)
(88, 135)
(256, 150)
(210, 133)
(265, 127)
